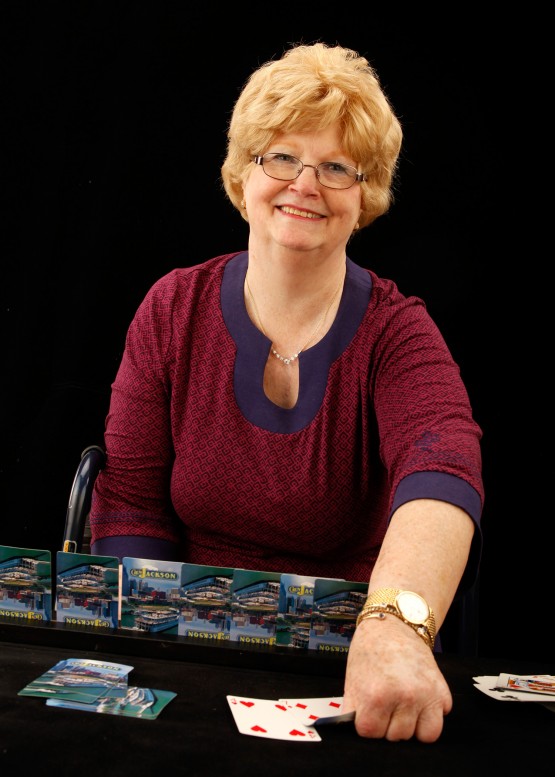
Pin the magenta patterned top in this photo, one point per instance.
(203, 467)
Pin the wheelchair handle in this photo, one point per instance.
(93, 459)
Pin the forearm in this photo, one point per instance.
(425, 550)
(392, 680)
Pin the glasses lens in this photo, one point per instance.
(284, 167)
(336, 176)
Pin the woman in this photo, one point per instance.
(283, 409)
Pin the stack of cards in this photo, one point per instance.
(96, 686)
(514, 687)
(170, 598)
(289, 719)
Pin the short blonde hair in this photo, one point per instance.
(306, 90)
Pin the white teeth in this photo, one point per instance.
(295, 212)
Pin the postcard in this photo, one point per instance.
(81, 680)
(254, 607)
(133, 702)
(206, 606)
(25, 584)
(336, 606)
(87, 590)
(296, 596)
(151, 595)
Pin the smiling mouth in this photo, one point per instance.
(296, 212)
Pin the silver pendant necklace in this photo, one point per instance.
(290, 359)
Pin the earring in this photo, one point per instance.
(356, 226)
(243, 204)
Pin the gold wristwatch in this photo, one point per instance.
(405, 605)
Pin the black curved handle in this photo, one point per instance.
(93, 459)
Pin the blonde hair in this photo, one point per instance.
(306, 90)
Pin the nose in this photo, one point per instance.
(302, 181)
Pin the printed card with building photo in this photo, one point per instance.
(132, 702)
(87, 590)
(254, 607)
(206, 607)
(81, 680)
(151, 595)
(336, 606)
(25, 584)
(296, 595)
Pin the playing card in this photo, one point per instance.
(319, 711)
(488, 684)
(269, 719)
(532, 683)
(78, 679)
(144, 703)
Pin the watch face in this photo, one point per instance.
(413, 607)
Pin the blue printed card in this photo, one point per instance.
(82, 680)
(151, 595)
(296, 595)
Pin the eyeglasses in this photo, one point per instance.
(284, 167)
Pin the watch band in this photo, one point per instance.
(385, 601)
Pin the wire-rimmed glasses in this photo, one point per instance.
(285, 167)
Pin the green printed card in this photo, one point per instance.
(25, 584)
(87, 590)
(336, 606)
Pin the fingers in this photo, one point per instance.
(401, 723)
(395, 686)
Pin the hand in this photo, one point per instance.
(394, 684)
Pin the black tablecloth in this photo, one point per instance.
(196, 734)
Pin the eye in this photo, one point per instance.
(285, 159)
(336, 168)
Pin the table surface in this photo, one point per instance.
(196, 733)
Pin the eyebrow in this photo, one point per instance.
(336, 156)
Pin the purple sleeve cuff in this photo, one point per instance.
(135, 547)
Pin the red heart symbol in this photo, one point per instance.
(259, 728)
(248, 703)
(296, 733)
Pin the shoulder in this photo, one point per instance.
(386, 302)
(387, 295)
(182, 279)
(393, 319)
(183, 286)
(383, 292)
(175, 296)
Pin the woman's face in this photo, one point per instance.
(303, 214)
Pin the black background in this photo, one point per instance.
(116, 117)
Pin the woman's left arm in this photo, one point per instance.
(392, 680)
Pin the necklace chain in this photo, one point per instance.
(290, 359)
